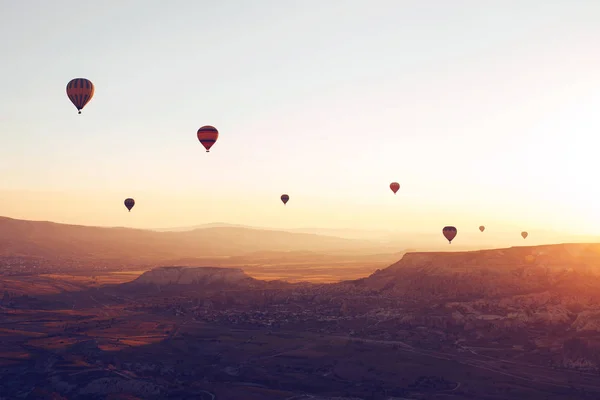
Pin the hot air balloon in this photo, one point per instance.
(450, 233)
(208, 135)
(524, 234)
(80, 92)
(394, 186)
(482, 228)
(285, 198)
(129, 203)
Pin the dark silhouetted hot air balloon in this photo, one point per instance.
(80, 92)
(285, 198)
(394, 186)
(129, 203)
(524, 234)
(450, 233)
(208, 135)
(482, 228)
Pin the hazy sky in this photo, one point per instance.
(486, 112)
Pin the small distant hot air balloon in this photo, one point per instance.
(450, 233)
(129, 203)
(394, 186)
(80, 92)
(285, 198)
(208, 135)
(482, 228)
(524, 234)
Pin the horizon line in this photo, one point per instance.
(206, 225)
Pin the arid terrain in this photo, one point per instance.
(513, 323)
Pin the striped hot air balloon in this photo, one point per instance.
(482, 228)
(449, 233)
(394, 186)
(285, 198)
(208, 135)
(129, 203)
(80, 92)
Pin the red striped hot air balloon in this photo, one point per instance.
(449, 233)
(394, 186)
(80, 92)
(208, 135)
(285, 198)
(129, 203)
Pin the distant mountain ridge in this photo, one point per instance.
(210, 225)
(467, 239)
(337, 232)
(53, 240)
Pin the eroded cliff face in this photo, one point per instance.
(581, 256)
(193, 275)
(554, 285)
(571, 271)
(540, 297)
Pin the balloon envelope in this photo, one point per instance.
(449, 233)
(482, 228)
(394, 186)
(129, 203)
(208, 135)
(80, 91)
(285, 198)
(524, 234)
